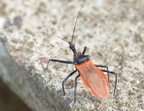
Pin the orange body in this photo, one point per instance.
(94, 79)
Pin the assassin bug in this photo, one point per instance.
(93, 77)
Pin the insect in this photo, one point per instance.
(93, 77)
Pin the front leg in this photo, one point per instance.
(60, 61)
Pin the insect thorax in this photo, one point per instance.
(81, 59)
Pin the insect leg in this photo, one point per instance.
(75, 87)
(60, 61)
(103, 66)
(66, 80)
(110, 72)
(84, 50)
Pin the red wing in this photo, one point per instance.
(94, 79)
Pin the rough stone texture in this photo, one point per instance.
(31, 89)
(112, 31)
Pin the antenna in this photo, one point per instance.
(59, 38)
(62, 39)
(76, 23)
